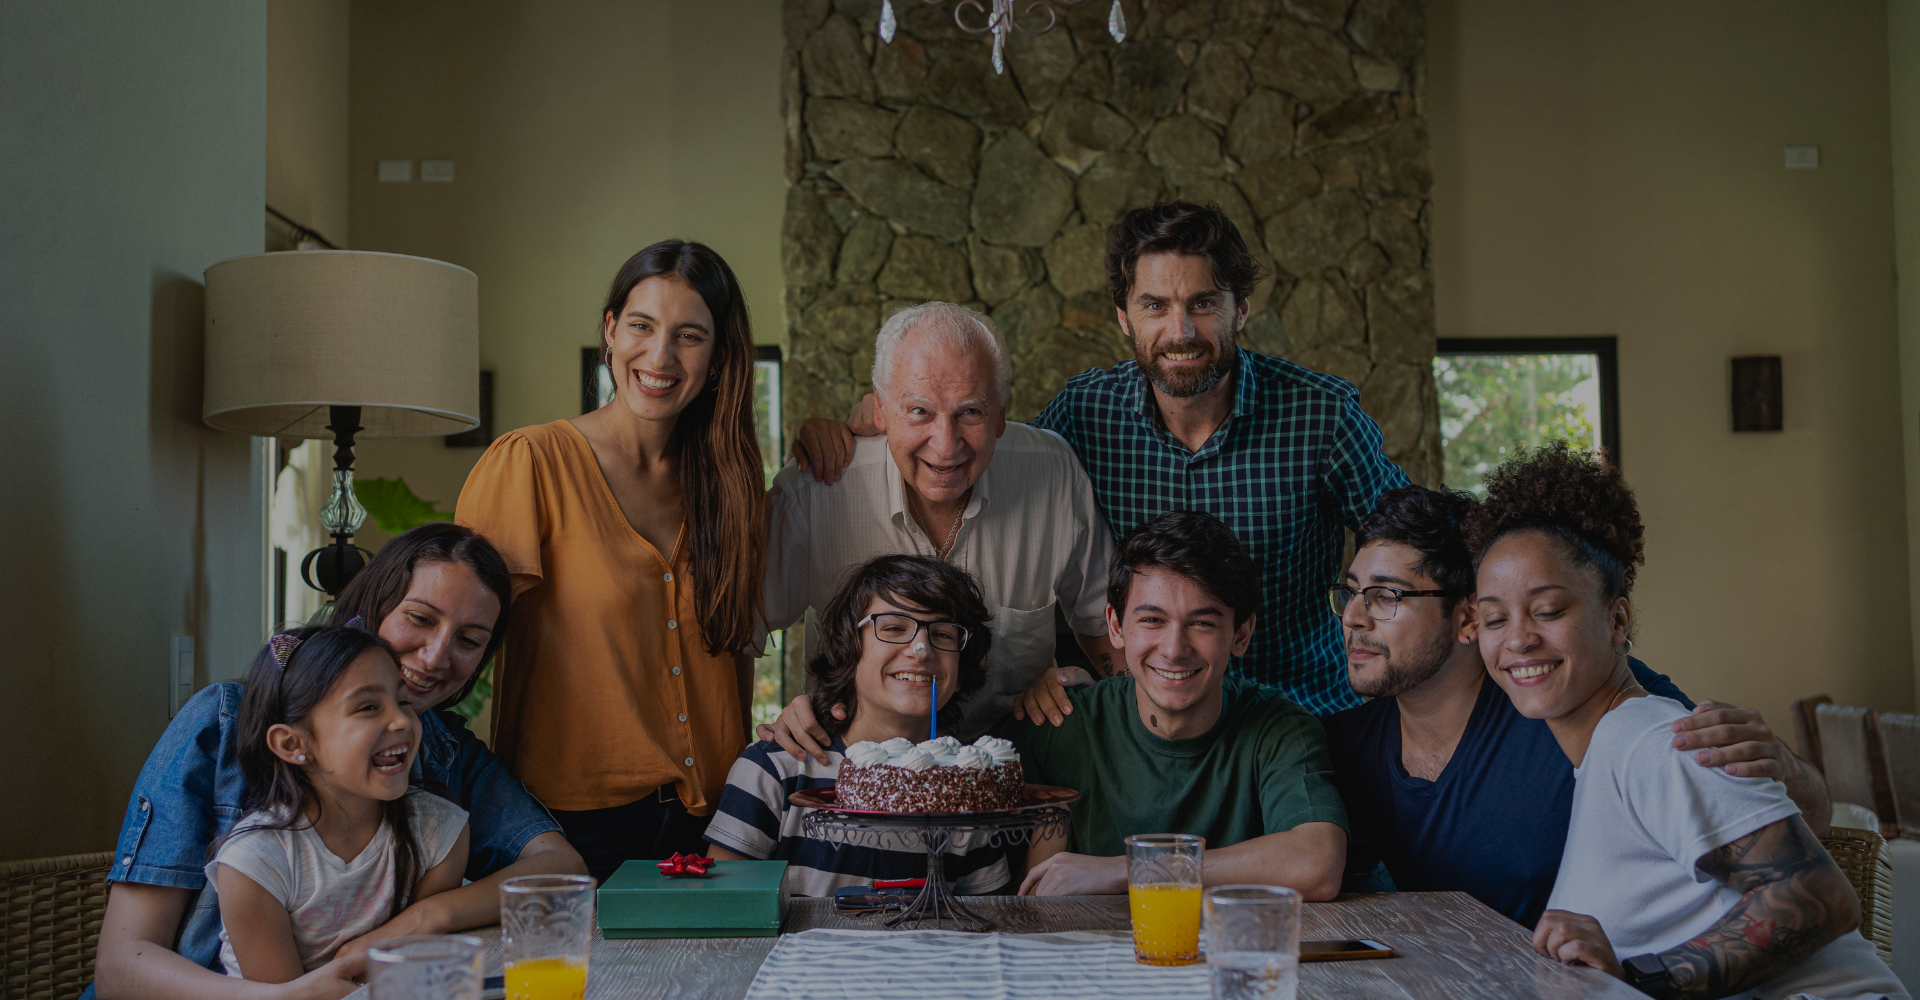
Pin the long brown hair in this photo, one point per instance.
(716, 445)
(382, 585)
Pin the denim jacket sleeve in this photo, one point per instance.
(503, 815)
(187, 796)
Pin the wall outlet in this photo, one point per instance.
(396, 171)
(436, 171)
(179, 673)
(1803, 157)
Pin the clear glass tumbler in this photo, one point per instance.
(546, 931)
(1253, 941)
(427, 967)
(1163, 892)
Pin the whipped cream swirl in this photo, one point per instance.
(944, 746)
(867, 753)
(915, 759)
(972, 758)
(897, 746)
(1000, 750)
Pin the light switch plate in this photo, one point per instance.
(179, 673)
(436, 171)
(1803, 157)
(396, 171)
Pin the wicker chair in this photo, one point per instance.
(50, 912)
(1863, 855)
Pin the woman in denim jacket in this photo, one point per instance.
(439, 594)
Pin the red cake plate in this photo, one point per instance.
(1044, 811)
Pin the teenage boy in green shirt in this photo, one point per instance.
(1175, 745)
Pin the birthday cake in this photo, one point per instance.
(939, 775)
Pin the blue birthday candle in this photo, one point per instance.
(933, 711)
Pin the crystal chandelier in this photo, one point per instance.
(1001, 21)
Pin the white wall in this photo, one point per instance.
(1617, 169)
(580, 132)
(132, 159)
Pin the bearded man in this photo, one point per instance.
(1445, 782)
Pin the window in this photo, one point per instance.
(1498, 395)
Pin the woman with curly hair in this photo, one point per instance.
(898, 625)
(1682, 880)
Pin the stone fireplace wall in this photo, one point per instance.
(917, 173)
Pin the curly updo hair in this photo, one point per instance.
(1577, 498)
(947, 592)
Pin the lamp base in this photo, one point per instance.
(332, 567)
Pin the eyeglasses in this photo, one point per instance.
(900, 630)
(1381, 602)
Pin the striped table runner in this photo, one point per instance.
(823, 964)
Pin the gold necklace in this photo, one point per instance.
(952, 536)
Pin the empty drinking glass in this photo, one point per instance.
(426, 967)
(1163, 893)
(1253, 941)
(546, 931)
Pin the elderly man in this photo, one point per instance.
(953, 479)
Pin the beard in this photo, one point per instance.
(1402, 675)
(1220, 364)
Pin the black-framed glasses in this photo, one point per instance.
(1380, 602)
(890, 626)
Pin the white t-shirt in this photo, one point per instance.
(1642, 815)
(329, 900)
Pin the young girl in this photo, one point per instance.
(882, 668)
(334, 842)
(1683, 880)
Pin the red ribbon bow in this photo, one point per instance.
(684, 864)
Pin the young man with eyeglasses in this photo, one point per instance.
(1446, 784)
(1178, 746)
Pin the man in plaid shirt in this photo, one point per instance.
(1285, 456)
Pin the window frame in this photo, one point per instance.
(1607, 349)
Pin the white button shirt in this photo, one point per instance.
(1031, 536)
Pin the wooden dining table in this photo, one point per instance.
(1446, 944)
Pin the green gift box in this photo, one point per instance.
(736, 899)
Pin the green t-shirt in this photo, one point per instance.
(1263, 768)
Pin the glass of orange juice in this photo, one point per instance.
(546, 931)
(1163, 891)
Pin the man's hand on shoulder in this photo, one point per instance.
(1738, 741)
(798, 732)
(825, 447)
(1076, 875)
(1047, 698)
(1735, 739)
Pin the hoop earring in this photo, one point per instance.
(1629, 649)
(713, 379)
(606, 358)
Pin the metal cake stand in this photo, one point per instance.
(1044, 812)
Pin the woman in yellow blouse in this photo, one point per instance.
(636, 538)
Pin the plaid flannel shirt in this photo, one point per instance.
(1296, 461)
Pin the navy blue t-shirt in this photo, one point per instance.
(1492, 826)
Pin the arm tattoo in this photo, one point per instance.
(1794, 901)
(1103, 666)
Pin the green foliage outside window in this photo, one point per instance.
(1492, 405)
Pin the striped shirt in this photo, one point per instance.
(755, 820)
(1296, 461)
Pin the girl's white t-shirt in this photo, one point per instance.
(330, 901)
(1643, 813)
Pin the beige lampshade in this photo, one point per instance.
(290, 334)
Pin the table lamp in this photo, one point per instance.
(341, 344)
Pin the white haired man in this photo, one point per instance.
(953, 479)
